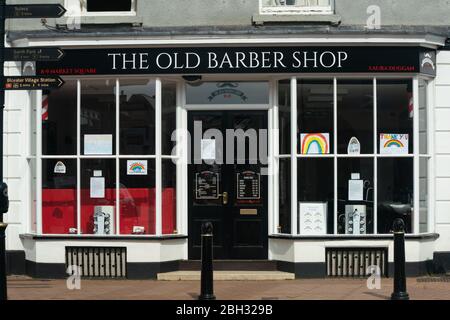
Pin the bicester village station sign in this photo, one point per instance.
(220, 60)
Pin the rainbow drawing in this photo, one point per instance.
(315, 143)
(393, 143)
(137, 167)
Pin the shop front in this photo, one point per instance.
(297, 154)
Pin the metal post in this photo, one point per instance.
(400, 292)
(3, 289)
(207, 288)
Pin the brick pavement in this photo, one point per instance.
(22, 288)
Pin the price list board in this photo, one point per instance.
(248, 185)
(207, 185)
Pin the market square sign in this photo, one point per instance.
(253, 60)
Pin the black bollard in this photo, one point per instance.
(207, 288)
(3, 287)
(400, 292)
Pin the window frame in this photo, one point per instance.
(296, 9)
(375, 155)
(158, 157)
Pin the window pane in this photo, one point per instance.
(98, 117)
(315, 117)
(316, 196)
(395, 116)
(169, 116)
(169, 197)
(355, 115)
(107, 5)
(59, 120)
(355, 196)
(284, 224)
(137, 117)
(423, 117)
(98, 196)
(284, 116)
(395, 193)
(424, 163)
(32, 198)
(59, 196)
(228, 93)
(137, 196)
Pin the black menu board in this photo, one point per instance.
(207, 185)
(248, 185)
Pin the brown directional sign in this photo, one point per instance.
(33, 54)
(33, 83)
(28, 11)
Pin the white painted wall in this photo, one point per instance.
(442, 147)
(53, 251)
(14, 162)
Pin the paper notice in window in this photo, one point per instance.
(98, 144)
(208, 149)
(97, 188)
(355, 190)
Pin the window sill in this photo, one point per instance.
(332, 19)
(103, 19)
(68, 237)
(424, 236)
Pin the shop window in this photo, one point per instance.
(99, 6)
(169, 197)
(315, 196)
(98, 117)
(284, 195)
(424, 157)
(98, 196)
(297, 6)
(117, 188)
(355, 196)
(284, 117)
(355, 116)
(59, 196)
(423, 117)
(395, 193)
(137, 117)
(105, 5)
(395, 116)
(424, 191)
(59, 120)
(228, 93)
(137, 196)
(315, 116)
(169, 119)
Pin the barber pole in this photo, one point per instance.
(411, 105)
(45, 108)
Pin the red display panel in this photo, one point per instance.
(59, 210)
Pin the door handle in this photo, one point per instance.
(225, 198)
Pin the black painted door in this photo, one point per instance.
(228, 182)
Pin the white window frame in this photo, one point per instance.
(415, 155)
(295, 9)
(158, 157)
(79, 8)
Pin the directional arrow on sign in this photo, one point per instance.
(33, 54)
(33, 83)
(28, 11)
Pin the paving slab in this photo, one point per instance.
(22, 288)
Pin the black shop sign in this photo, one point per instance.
(254, 60)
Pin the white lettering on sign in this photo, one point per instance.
(227, 60)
